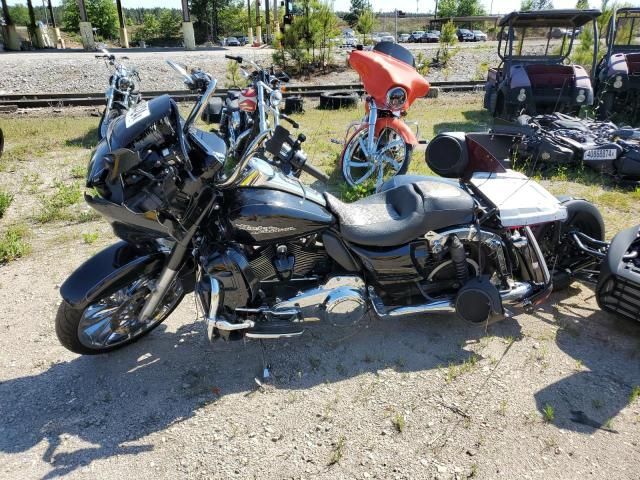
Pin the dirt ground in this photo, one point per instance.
(547, 395)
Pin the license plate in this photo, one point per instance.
(601, 154)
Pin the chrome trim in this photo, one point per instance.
(536, 248)
(518, 292)
(273, 336)
(244, 161)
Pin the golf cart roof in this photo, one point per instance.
(549, 18)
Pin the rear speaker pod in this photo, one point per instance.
(479, 302)
(447, 154)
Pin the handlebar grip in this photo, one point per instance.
(314, 172)
(231, 57)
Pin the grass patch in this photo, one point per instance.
(399, 422)
(454, 371)
(79, 171)
(548, 413)
(338, 451)
(55, 207)
(90, 238)
(635, 394)
(13, 243)
(5, 201)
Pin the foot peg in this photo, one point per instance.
(275, 329)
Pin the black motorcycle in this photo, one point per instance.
(265, 254)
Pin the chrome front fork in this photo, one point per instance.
(373, 118)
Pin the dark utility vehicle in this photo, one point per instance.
(618, 74)
(534, 75)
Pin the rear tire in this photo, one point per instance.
(582, 216)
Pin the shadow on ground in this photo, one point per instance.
(605, 349)
(113, 399)
(88, 140)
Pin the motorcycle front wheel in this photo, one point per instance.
(111, 322)
(391, 157)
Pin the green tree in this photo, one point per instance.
(468, 8)
(527, 5)
(102, 14)
(326, 22)
(169, 23)
(447, 8)
(582, 4)
(365, 23)
(19, 14)
(448, 39)
(150, 28)
(357, 7)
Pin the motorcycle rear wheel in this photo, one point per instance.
(582, 216)
(110, 322)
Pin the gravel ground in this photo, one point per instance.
(57, 72)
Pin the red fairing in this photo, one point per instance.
(380, 72)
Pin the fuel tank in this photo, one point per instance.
(261, 215)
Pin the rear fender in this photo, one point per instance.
(106, 271)
(398, 125)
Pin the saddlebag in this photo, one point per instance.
(618, 289)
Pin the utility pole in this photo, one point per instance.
(249, 30)
(267, 19)
(396, 15)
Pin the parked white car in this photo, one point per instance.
(479, 35)
(404, 37)
(388, 38)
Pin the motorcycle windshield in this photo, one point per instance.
(380, 72)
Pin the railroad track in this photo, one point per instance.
(14, 101)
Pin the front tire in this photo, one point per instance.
(394, 157)
(109, 322)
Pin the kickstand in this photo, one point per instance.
(266, 367)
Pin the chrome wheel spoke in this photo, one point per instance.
(113, 320)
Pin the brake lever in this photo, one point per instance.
(293, 123)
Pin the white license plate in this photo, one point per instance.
(601, 154)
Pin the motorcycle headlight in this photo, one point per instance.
(581, 97)
(396, 98)
(275, 98)
(124, 83)
(522, 96)
(618, 82)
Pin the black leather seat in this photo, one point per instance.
(401, 214)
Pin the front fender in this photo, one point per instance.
(398, 125)
(106, 271)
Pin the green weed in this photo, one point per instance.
(399, 422)
(548, 413)
(90, 238)
(13, 243)
(635, 394)
(338, 451)
(55, 207)
(5, 201)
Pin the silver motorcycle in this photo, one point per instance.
(122, 92)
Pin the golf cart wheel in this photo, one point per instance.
(337, 100)
(559, 250)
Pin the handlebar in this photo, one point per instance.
(231, 57)
(314, 172)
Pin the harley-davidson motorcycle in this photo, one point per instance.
(122, 92)
(380, 145)
(266, 254)
(244, 114)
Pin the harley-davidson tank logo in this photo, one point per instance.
(261, 230)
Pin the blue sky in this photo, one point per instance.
(499, 6)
